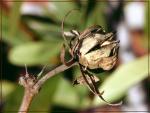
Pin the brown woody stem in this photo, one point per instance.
(27, 99)
(32, 87)
(50, 74)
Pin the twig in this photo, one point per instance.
(32, 85)
(50, 74)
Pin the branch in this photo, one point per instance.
(27, 99)
(50, 74)
(32, 85)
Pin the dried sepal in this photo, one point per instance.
(91, 83)
(80, 80)
(108, 62)
(62, 57)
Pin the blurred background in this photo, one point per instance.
(31, 34)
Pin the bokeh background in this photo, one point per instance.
(31, 34)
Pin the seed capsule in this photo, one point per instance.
(98, 51)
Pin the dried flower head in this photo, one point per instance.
(92, 49)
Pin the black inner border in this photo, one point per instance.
(148, 90)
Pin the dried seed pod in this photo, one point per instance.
(97, 51)
(92, 49)
(104, 57)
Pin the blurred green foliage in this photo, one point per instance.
(35, 53)
(36, 40)
(147, 23)
(124, 78)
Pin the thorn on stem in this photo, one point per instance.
(26, 70)
(41, 72)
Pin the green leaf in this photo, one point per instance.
(64, 7)
(19, 37)
(66, 95)
(122, 79)
(83, 96)
(146, 26)
(97, 16)
(45, 31)
(14, 99)
(7, 89)
(34, 53)
(44, 100)
(14, 18)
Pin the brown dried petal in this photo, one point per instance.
(99, 58)
(108, 63)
